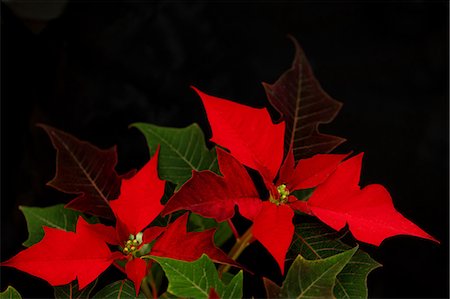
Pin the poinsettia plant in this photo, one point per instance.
(272, 182)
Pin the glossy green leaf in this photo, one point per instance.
(55, 216)
(314, 278)
(117, 290)
(10, 293)
(182, 150)
(316, 241)
(71, 291)
(195, 279)
(199, 223)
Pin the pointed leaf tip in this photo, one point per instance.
(249, 133)
(73, 255)
(139, 200)
(198, 278)
(303, 105)
(182, 150)
(85, 170)
(191, 244)
(316, 278)
(369, 212)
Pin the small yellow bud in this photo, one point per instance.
(129, 242)
(125, 250)
(135, 242)
(133, 248)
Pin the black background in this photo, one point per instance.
(103, 65)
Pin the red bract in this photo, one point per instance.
(62, 256)
(369, 212)
(256, 142)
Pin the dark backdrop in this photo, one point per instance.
(100, 66)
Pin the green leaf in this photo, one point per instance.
(199, 223)
(316, 241)
(55, 216)
(119, 289)
(181, 151)
(272, 289)
(234, 288)
(314, 278)
(10, 293)
(71, 291)
(195, 279)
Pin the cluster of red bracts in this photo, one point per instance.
(253, 141)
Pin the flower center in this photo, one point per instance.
(132, 244)
(283, 194)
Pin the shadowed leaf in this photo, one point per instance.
(315, 241)
(303, 104)
(10, 293)
(72, 291)
(195, 279)
(199, 223)
(272, 289)
(118, 290)
(316, 278)
(85, 170)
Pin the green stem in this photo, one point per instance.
(152, 284)
(145, 289)
(240, 245)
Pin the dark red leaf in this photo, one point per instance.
(85, 170)
(61, 257)
(369, 212)
(179, 244)
(303, 104)
(214, 196)
(272, 289)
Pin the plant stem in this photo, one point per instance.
(145, 289)
(240, 245)
(233, 229)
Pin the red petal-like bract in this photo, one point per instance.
(214, 196)
(139, 200)
(179, 244)
(274, 229)
(247, 132)
(136, 270)
(85, 170)
(62, 256)
(369, 212)
(213, 294)
(309, 172)
(152, 233)
(105, 233)
(304, 105)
